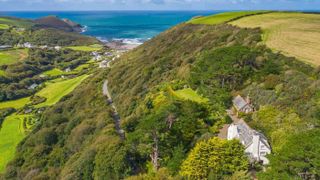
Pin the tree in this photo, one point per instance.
(298, 158)
(216, 157)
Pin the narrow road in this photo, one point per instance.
(115, 115)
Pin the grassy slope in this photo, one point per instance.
(15, 103)
(2, 73)
(4, 26)
(55, 91)
(222, 17)
(295, 34)
(54, 72)
(191, 95)
(11, 134)
(12, 56)
(95, 47)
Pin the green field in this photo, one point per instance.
(293, 34)
(56, 90)
(8, 57)
(54, 72)
(15, 103)
(223, 17)
(189, 94)
(4, 26)
(94, 47)
(2, 73)
(11, 134)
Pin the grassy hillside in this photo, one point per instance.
(55, 91)
(12, 56)
(294, 34)
(94, 47)
(172, 94)
(223, 17)
(12, 132)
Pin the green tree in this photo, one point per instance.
(298, 159)
(216, 157)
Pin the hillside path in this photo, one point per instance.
(115, 114)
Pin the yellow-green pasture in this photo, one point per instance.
(223, 17)
(11, 133)
(12, 56)
(189, 94)
(54, 91)
(292, 33)
(94, 47)
(17, 104)
(4, 26)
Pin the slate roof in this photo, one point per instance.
(239, 102)
(245, 134)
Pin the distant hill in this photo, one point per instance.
(55, 22)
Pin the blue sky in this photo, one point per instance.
(12, 5)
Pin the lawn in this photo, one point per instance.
(94, 47)
(189, 94)
(2, 73)
(8, 57)
(15, 103)
(54, 72)
(293, 34)
(11, 134)
(4, 26)
(223, 17)
(54, 91)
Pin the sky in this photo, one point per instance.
(63, 5)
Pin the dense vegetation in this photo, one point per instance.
(172, 93)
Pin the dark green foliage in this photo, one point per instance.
(299, 158)
(66, 141)
(49, 37)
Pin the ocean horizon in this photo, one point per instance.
(131, 27)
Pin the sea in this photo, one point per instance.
(130, 27)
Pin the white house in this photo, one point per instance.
(103, 64)
(67, 70)
(255, 143)
(27, 45)
(33, 86)
(58, 48)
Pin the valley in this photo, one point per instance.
(61, 104)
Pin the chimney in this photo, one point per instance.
(248, 100)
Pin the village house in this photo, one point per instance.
(255, 143)
(242, 105)
(58, 48)
(44, 47)
(33, 86)
(67, 70)
(27, 45)
(103, 64)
